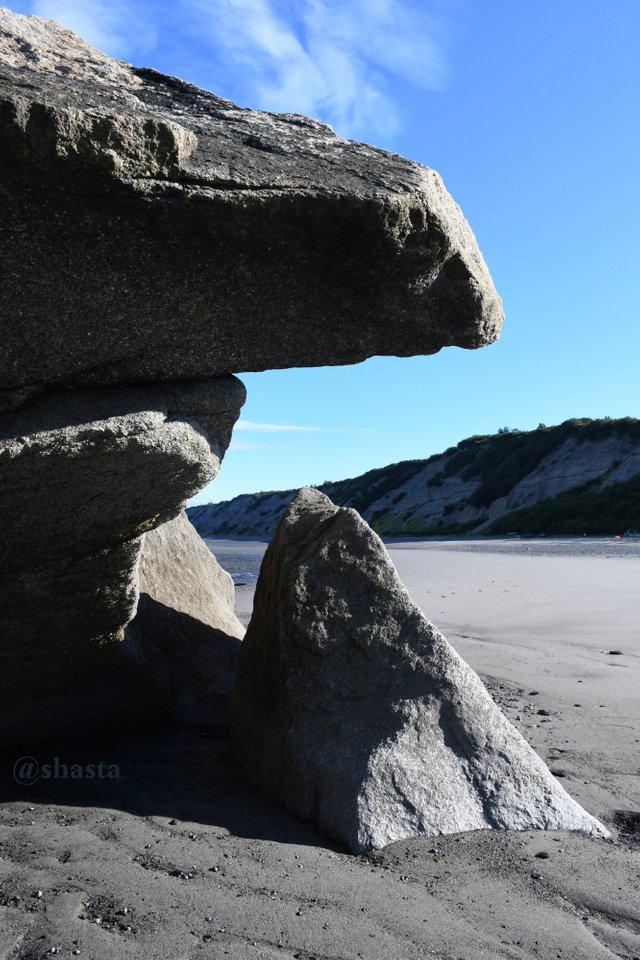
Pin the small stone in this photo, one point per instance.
(542, 855)
(173, 823)
(543, 713)
(615, 653)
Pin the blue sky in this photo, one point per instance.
(530, 113)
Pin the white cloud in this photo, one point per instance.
(275, 427)
(335, 59)
(243, 445)
(254, 427)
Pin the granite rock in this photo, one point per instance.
(354, 710)
(185, 628)
(207, 239)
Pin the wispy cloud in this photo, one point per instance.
(254, 427)
(244, 445)
(275, 427)
(336, 59)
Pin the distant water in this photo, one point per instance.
(241, 560)
(550, 547)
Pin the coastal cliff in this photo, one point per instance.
(582, 476)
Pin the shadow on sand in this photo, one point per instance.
(179, 772)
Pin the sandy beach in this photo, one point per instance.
(177, 856)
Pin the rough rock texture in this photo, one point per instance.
(84, 474)
(185, 627)
(355, 711)
(206, 238)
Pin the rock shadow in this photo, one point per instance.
(170, 771)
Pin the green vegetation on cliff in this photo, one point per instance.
(586, 509)
(582, 476)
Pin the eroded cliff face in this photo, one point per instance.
(154, 240)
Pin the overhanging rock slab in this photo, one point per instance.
(161, 232)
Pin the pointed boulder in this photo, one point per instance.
(354, 710)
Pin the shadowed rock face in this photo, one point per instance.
(161, 232)
(85, 473)
(355, 711)
(185, 629)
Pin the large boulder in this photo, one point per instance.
(85, 473)
(185, 628)
(354, 710)
(151, 230)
